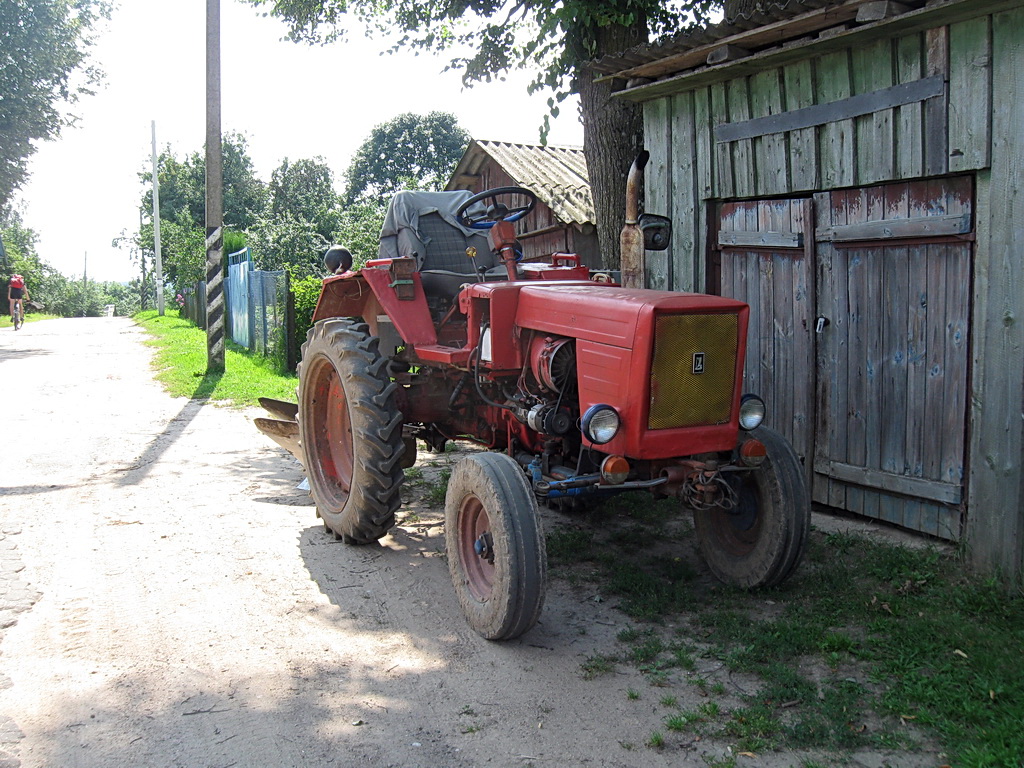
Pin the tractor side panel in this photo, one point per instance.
(372, 291)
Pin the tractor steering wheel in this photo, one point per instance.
(496, 211)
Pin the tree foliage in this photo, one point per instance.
(410, 150)
(60, 295)
(183, 186)
(44, 69)
(304, 190)
(554, 38)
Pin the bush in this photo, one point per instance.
(306, 291)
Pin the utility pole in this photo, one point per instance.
(214, 196)
(142, 261)
(158, 269)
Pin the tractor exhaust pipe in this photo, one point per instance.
(631, 239)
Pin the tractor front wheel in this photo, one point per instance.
(350, 430)
(761, 541)
(495, 546)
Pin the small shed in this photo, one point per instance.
(853, 169)
(563, 221)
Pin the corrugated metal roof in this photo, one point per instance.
(768, 23)
(557, 174)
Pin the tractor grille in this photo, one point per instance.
(693, 373)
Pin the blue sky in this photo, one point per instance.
(290, 100)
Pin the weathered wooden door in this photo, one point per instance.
(765, 258)
(894, 288)
(858, 339)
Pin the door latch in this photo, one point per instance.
(819, 326)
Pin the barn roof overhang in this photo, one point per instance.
(792, 30)
(557, 174)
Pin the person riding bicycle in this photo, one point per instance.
(16, 292)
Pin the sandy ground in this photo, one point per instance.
(176, 603)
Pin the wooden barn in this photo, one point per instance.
(854, 170)
(563, 221)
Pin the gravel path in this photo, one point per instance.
(167, 598)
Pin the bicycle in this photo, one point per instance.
(18, 316)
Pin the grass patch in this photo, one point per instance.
(180, 364)
(870, 645)
(31, 317)
(595, 666)
(437, 489)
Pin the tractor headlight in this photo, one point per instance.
(752, 412)
(600, 423)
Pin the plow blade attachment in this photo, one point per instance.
(284, 433)
(280, 409)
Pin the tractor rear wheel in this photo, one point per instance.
(761, 541)
(496, 551)
(350, 430)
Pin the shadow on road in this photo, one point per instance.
(138, 469)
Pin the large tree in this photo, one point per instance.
(304, 190)
(556, 38)
(183, 207)
(44, 69)
(409, 151)
(183, 186)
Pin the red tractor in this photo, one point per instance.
(580, 388)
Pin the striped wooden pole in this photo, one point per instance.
(214, 299)
(214, 196)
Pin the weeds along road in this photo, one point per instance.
(170, 600)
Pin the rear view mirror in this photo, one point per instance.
(657, 231)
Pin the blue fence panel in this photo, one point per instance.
(238, 299)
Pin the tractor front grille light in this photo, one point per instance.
(693, 370)
(600, 423)
(752, 412)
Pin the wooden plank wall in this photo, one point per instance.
(995, 523)
(688, 166)
(976, 124)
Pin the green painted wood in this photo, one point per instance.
(705, 158)
(937, 14)
(743, 158)
(909, 118)
(936, 141)
(876, 146)
(703, 139)
(970, 97)
(865, 104)
(836, 150)
(658, 192)
(685, 208)
(798, 85)
(770, 151)
(723, 184)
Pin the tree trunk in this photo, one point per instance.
(612, 137)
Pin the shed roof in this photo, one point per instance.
(557, 174)
(773, 24)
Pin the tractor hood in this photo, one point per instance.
(606, 314)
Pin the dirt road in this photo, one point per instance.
(169, 599)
